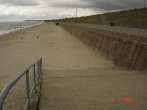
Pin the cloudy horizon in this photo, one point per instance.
(16, 10)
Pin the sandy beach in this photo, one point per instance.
(66, 57)
(15, 48)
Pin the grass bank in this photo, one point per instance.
(136, 18)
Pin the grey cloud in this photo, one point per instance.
(32, 15)
(70, 5)
(114, 4)
(102, 4)
(20, 2)
(44, 9)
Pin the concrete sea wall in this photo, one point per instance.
(126, 48)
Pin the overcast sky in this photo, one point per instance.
(50, 9)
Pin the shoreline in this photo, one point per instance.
(2, 33)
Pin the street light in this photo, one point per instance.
(76, 12)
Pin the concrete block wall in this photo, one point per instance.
(125, 50)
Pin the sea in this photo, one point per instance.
(7, 27)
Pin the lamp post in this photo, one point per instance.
(76, 12)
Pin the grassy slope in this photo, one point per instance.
(129, 18)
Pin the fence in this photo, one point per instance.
(33, 93)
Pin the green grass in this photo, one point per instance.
(129, 18)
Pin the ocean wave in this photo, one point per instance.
(18, 27)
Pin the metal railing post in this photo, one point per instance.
(28, 89)
(35, 83)
(41, 70)
(32, 92)
(1, 106)
(41, 65)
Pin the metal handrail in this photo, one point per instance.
(31, 92)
